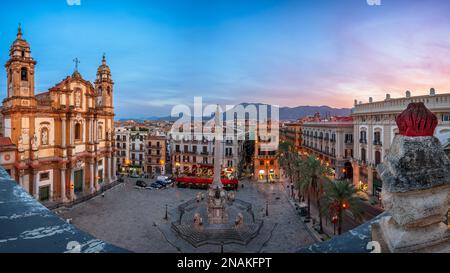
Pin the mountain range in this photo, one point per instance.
(286, 113)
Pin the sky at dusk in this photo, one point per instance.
(290, 53)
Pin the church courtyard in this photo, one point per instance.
(131, 218)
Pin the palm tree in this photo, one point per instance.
(312, 176)
(286, 156)
(339, 196)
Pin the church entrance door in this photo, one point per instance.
(78, 183)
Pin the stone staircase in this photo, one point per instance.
(217, 236)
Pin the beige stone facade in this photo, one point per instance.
(332, 143)
(375, 129)
(64, 137)
(156, 149)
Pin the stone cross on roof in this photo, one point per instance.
(77, 62)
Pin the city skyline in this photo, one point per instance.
(162, 54)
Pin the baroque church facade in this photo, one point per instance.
(63, 137)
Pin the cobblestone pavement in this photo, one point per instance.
(126, 216)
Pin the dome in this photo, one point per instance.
(77, 75)
(103, 68)
(19, 45)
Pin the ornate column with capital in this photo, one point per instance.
(95, 131)
(91, 130)
(71, 137)
(114, 167)
(370, 170)
(92, 178)
(108, 169)
(35, 185)
(96, 184)
(72, 185)
(63, 186)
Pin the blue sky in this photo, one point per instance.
(289, 53)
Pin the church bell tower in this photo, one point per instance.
(104, 87)
(20, 74)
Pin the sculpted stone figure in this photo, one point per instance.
(416, 186)
(44, 136)
(34, 142)
(20, 143)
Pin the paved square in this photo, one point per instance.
(127, 216)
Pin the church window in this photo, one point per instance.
(24, 74)
(78, 131)
(108, 91)
(100, 91)
(100, 132)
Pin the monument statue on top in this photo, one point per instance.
(217, 196)
(416, 187)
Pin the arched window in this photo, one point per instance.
(24, 74)
(377, 157)
(77, 131)
(100, 91)
(363, 155)
(108, 90)
(44, 136)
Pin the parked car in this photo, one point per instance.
(156, 186)
(141, 184)
(162, 183)
(164, 180)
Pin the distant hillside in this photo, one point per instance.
(286, 113)
(295, 113)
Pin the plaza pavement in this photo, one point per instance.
(128, 217)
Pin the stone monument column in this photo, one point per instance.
(416, 187)
(216, 193)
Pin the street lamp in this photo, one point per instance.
(166, 217)
(267, 171)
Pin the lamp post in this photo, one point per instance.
(267, 171)
(334, 221)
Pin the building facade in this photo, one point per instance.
(63, 136)
(122, 148)
(266, 166)
(331, 141)
(156, 154)
(192, 155)
(375, 128)
(292, 132)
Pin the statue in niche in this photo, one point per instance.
(78, 99)
(34, 142)
(44, 136)
(20, 144)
